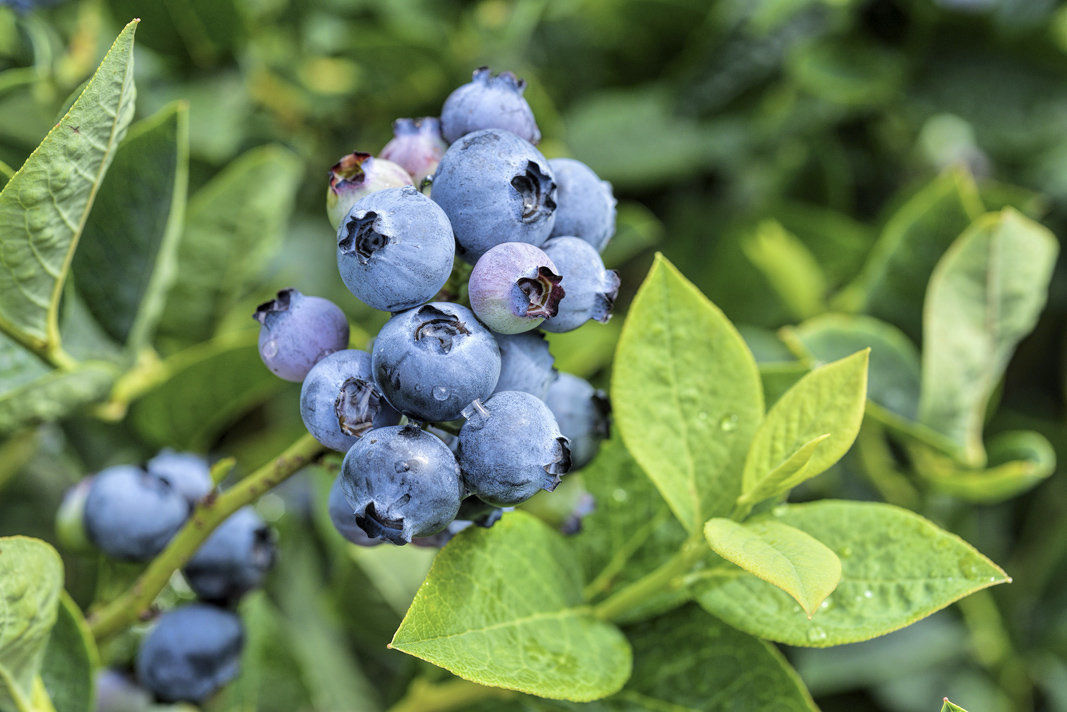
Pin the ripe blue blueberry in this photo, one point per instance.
(297, 331)
(344, 519)
(525, 363)
(339, 401)
(131, 514)
(402, 483)
(190, 653)
(591, 289)
(187, 472)
(514, 287)
(510, 448)
(233, 560)
(489, 102)
(495, 188)
(585, 204)
(117, 692)
(416, 146)
(432, 361)
(395, 249)
(583, 414)
(356, 176)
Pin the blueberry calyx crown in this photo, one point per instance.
(542, 293)
(358, 402)
(348, 171)
(508, 79)
(279, 304)
(538, 192)
(362, 236)
(379, 526)
(559, 466)
(602, 405)
(438, 329)
(605, 301)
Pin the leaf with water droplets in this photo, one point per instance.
(43, 208)
(896, 568)
(686, 394)
(503, 607)
(787, 449)
(781, 555)
(31, 579)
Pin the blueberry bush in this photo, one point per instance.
(402, 457)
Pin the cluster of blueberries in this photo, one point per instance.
(131, 513)
(456, 412)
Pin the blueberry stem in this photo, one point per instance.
(455, 694)
(668, 577)
(131, 605)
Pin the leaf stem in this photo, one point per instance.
(212, 511)
(665, 578)
(454, 694)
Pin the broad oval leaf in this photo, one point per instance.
(54, 394)
(125, 261)
(790, 473)
(43, 208)
(31, 579)
(503, 607)
(896, 568)
(779, 554)
(70, 660)
(233, 226)
(913, 240)
(984, 296)
(829, 400)
(789, 267)
(686, 394)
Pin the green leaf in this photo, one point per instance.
(780, 555)
(54, 394)
(827, 401)
(43, 208)
(233, 226)
(70, 660)
(896, 568)
(913, 240)
(396, 571)
(686, 394)
(31, 579)
(778, 378)
(203, 389)
(893, 373)
(630, 531)
(984, 296)
(947, 706)
(1025, 460)
(125, 262)
(503, 607)
(583, 352)
(789, 267)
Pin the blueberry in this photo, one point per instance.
(395, 249)
(432, 361)
(510, 448)
(187, 472)
(591, 289)
(586, 505)
(489, 102)
(356, 176)
(514, 287)
(131, 514)
(116, 692)
(495, 188)
(416, 146)
(344, 519)
(585, 204)
(297, 331)
(525, 363)
(190, 653)
(583, 415)
(401, 482)
(339, 400)
(233, 560)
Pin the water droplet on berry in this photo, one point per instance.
(440, 393)
(816, 634)
(728, 424)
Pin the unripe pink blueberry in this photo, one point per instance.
(514, 287)
(417, 146)
(355, 176)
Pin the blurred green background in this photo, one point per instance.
(709, 119)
